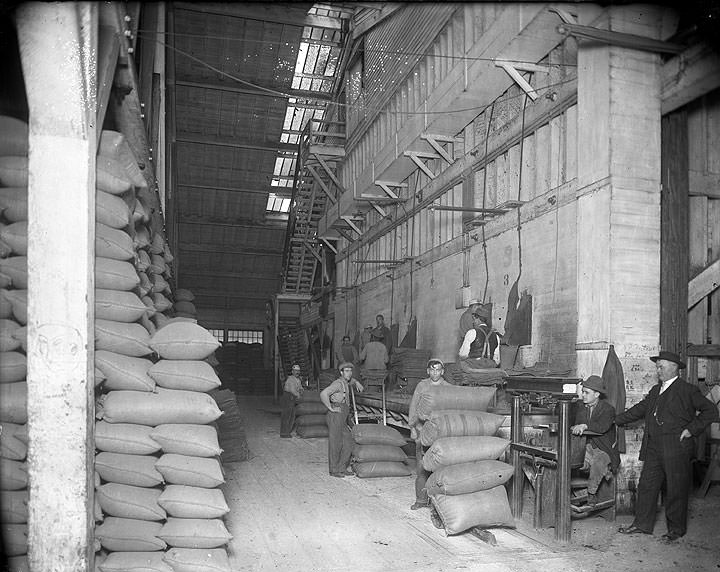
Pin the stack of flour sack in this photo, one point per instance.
(310, 416)
(466, 486)
(157, 466)
(378, 452)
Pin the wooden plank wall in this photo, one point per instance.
(703, 151)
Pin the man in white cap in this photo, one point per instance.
(596, 416)
(435, 370)
(675, 413)
(336, 398)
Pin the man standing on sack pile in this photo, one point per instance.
(435, 369)
(374, 358)
(336, 398)
(675, 412)
(597, 416)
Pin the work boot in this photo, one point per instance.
(419, 504)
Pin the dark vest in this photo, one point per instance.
(485, 343)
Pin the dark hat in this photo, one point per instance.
(345, 364)
(669, 356)
(596, 383)
(480, 310)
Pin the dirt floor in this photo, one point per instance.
(288, 514)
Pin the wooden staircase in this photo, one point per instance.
(293, 346)
(316, 186)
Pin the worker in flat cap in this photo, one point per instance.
(336, 397)
(675, 413)
(292, 392)
(597, 417)
(435, 371)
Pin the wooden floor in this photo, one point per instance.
(289, 514)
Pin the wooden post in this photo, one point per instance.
(58, 46)
(562, 494)
(516, 434)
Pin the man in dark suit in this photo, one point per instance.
(675, 412)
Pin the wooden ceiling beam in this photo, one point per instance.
(265, 192)
(200, 140)
(280, 93)
(238, 223)
(288, 15)
(222, 249)
(220, 274)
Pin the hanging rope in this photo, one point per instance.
(484, 199)
(522, 145)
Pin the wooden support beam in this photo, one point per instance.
(227, 249)
(322, 184)
(108, 50)
(417, 158)
(276, 148)
(312, 250)
(58, 48)
(330, 173)
(269, 91)
(286, 14)
(704, 283)
(688, 76)
(704, 184)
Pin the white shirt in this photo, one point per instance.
(667, 384)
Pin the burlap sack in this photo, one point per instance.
(124, 372)
(13, 402)
(466, 478)
(192, 471)
(454, 397)
(129, 534)
(460, 425)
(198, 560)
(377, 434)
(187, 439)
(13, 506)
(183, 341)
(453, 450)
(130, 438)
(115, 274)
(118, 306)
(381, 469)
(127, 501)
(162, 406)
(13, 367)
(8, 342)
(13, 475)
(370, 453)
(111, 210)
(135, 562)
(13, 441)
(184, 501)
(484, 509)
(128, 339)
(192, 375)
(195, 533)
(135, 470)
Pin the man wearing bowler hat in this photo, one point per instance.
(596, 417)
(675, 412)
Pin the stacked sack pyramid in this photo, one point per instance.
(466, 486)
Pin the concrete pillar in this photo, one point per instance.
(58, 43)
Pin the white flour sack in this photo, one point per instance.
(198, 560)
(118, 306)
(115, 274)
(193, 375)
(128, 339)
(129, 438)
(183, 341)
(162, 406)
(184, 501)
(127, 501)
(187, 439)
(195, 532)
(124, 372)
